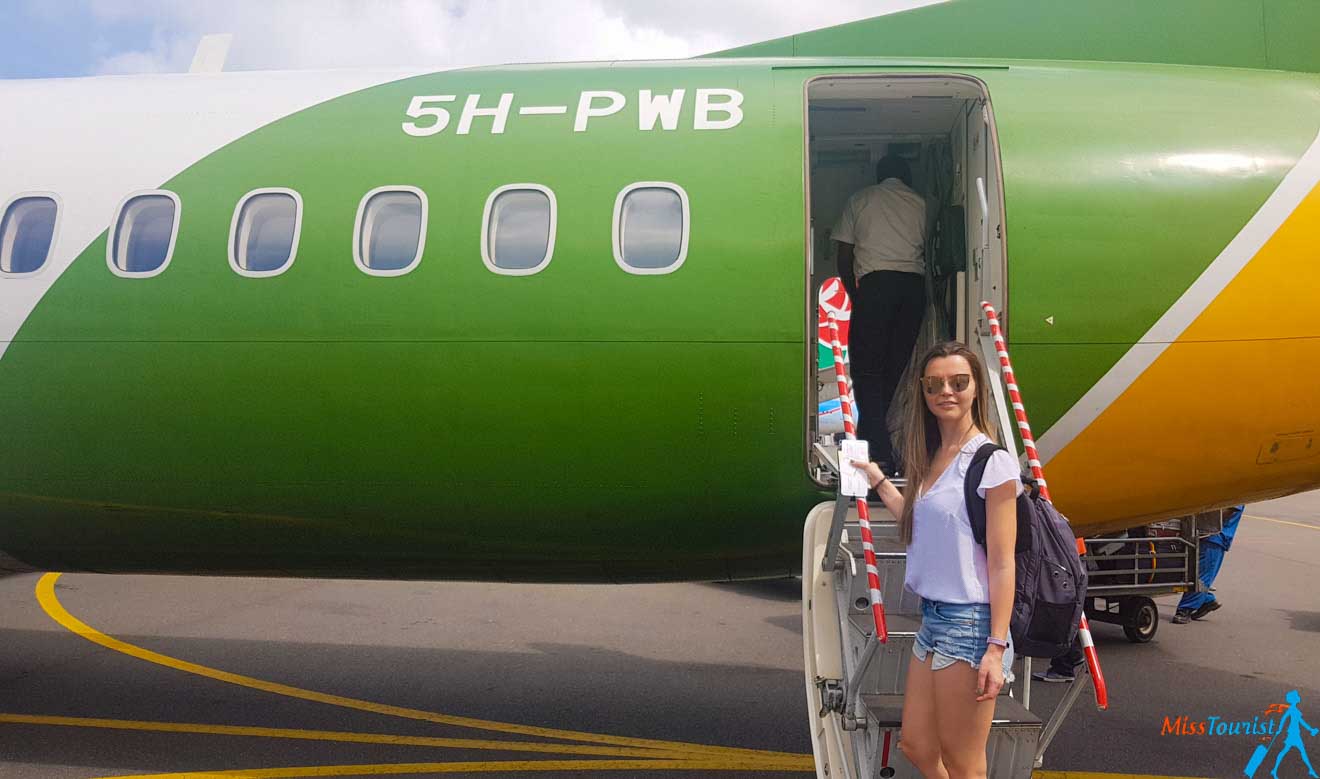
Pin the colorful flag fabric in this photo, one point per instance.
(833, 299)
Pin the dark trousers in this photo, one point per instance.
(886, 318)
(1068, 661)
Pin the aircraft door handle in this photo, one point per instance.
(985, 213)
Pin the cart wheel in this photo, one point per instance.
(1141, 618)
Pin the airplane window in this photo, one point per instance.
(27, 231)
(519, 234)
(264, 237)
(144, 233)
(391, 228)
(651, 228)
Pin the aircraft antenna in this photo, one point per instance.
(212, 51)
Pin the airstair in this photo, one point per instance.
(855, 683)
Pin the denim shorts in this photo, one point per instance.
(957, 631)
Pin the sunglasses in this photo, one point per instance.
(934, 385)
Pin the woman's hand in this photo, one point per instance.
(990, 676)
(873, 473)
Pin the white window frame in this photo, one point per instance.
(485, 231)
(54, 234)
(114, 226)
(618, 228)
(358, 224)
(297, 232)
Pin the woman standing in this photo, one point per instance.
(963, 654)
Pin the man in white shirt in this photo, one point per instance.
(881, 243)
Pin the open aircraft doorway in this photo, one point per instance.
(935, 134)
(942, 127)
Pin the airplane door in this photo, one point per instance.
(943, 130)
(984, 209)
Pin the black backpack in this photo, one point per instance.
(1051, 579)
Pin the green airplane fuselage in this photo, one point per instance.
(580, 423)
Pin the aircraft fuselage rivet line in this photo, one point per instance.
(45, 593)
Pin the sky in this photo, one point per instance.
(56, 38)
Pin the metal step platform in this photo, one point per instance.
(869, 698)
(1014, 734)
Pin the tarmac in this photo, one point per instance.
(190, 676)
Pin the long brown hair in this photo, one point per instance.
(921, 434)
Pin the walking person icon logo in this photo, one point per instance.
(1290, 725)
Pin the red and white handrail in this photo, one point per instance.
(863, 512)
(1038, 472)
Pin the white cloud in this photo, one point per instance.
(295, 34)
(161, 57)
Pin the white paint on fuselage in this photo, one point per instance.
(94, 140)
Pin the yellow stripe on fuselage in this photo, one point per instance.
(1225, 413)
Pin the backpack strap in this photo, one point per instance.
(976, 503)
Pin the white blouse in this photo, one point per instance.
(944, 562)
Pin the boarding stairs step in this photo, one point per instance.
(887, 674)
(1011, 749)
(890, 561)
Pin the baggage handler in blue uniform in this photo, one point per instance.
(1195, 605)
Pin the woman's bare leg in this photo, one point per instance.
(962, 723)
(919, 737)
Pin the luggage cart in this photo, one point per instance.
(1127, 571)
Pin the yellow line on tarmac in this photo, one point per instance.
(534, 765)
(45, 592)
(322, 735)
(1283, 521)
(576, 766)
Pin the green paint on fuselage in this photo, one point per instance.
(1266, 34)
(581, 423)
(450, 418)
(1122, 184)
